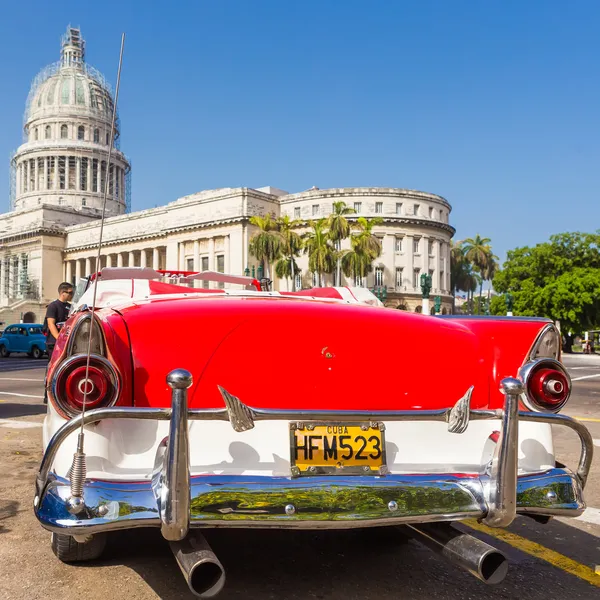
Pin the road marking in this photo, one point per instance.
(532, 548)
(18, 424)
(20, 395)
(591, 368)
(589, 419)
(585, 377)
(18, 379)
(590, 515)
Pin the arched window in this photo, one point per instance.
(36, 134)
(419, 309)
(81, 132)
(96, 136)
(64, 132)
(48, 132)
(107, 139)
(65, 92)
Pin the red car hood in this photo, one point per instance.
(292, 353)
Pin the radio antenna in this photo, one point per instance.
(78, 469)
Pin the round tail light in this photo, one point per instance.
(71, 388)
(547, 384)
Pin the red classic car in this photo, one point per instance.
(314, 409)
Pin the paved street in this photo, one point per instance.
(555, 561)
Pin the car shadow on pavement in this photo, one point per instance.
(373, 563)
(8, 509)
(12, 409)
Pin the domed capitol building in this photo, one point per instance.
(57, 188)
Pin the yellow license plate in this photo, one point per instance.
(337, 449)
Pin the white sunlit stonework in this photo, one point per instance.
(51, 233)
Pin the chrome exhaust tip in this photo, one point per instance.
(202, 570)
(478, 558)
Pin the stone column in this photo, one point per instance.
(36, 175)
(410, 258)
(11, 277)
(436, 284)
(143, 258)
(89, 175)
(109, 262)
(196, 255)
(155, 259)
(211, 254)
(55, 177)
(2, 277)
(119, 259)
(77, 270)
(131, 262)
(88, 267)
(69, 271)
(66, 172)
(78, 173)
(227, 263)
(425, 254)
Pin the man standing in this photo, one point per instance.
(57, 312)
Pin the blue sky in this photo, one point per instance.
(495, 106)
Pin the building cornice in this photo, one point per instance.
(162, 234)
(363, 191)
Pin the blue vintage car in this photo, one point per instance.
(23, 337)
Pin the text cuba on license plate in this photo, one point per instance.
(318, 448)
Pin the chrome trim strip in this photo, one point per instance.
(78, 357)
(538, 341)
(96, 325)
(323, 502)
(525, 374)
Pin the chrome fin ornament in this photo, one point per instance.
(241, 416)
(458, 416)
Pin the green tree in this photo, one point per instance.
(339, 230)
(319, 247)
(478, 252)
(559, 279)
(290, 248)
(265, 244)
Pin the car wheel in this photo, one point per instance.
(4, 353)
(67, 549)
(36, 352)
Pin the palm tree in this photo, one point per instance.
(291, 245)
(367, 241)
(460, 270)
(356, 262)
(365, 248)
(265, 244)
(339, 230)
(479, 253)
(321, 253)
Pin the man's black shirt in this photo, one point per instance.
(59, 311)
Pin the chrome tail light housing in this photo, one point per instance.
(547, 385)
(70, 385)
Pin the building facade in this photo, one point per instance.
(61, 173)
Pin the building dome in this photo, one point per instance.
(67, 131)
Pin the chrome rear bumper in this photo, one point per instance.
(174, 501)
(329, 502)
